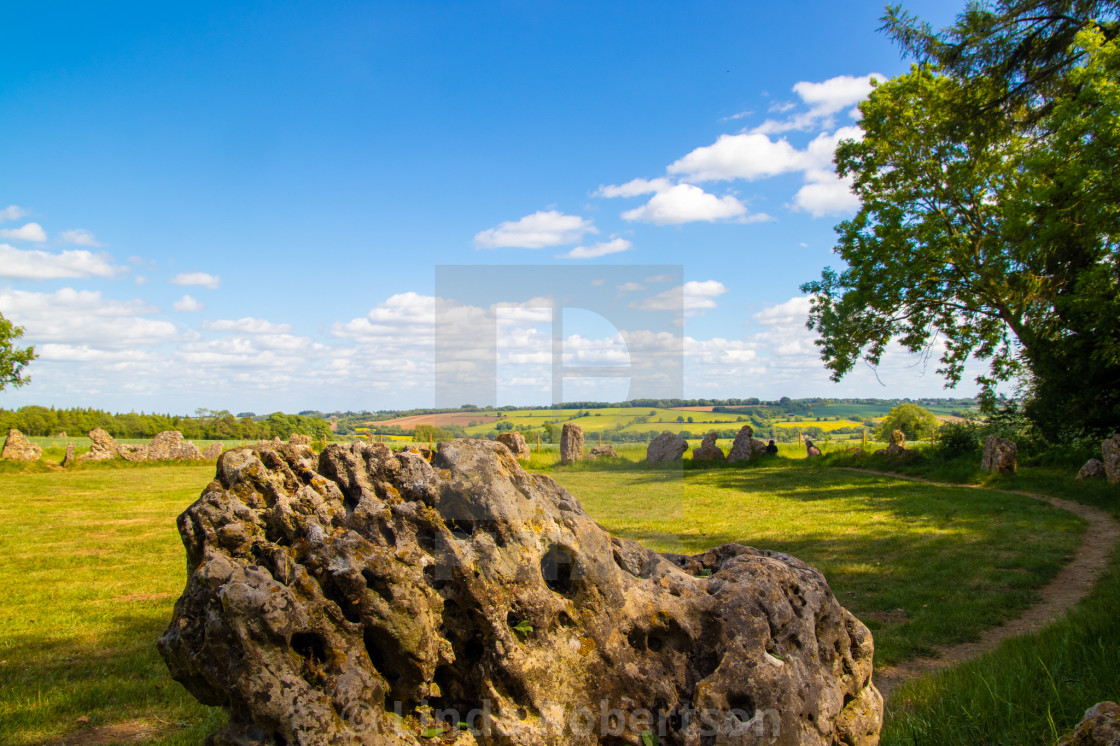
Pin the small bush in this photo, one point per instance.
(958, 439)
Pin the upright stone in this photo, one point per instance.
(102, 448)
(516, 444)
(811, 450)
(299, 439)
(134, 453)
(666, 447)
(571, 443)
(212, 451)
(1099, 727)
(745, 446)
(1000, 456)
(708, 450)
(68, 459)
(606, 451)
(170, 446)
(18, 448)
(1110, 451)
(1093, 469)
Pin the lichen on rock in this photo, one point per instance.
(345, 597)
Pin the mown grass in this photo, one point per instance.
(1032, 689)
(90, 567)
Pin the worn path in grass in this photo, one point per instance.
(1067, 589)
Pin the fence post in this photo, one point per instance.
(798, 438)
(538, 442)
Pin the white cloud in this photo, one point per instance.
(34, 264)
(825, 194)
(634, 188)
(188, 303)
(12, 212)
(613, 246)
(536, 231)
(213, 282)
(686, 203)
(29, 232)
(84, 317)
(824, 100)
(247, 325)
(81, 237)
(629, 287)
(753, 156)
(693, 298)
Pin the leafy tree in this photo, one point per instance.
(13, 359)
(989, 210)
(915, 422)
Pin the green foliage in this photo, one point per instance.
(915, 422)
(13, 359)
(210, 425)
(995, 233)
(957, 439)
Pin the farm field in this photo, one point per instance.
(91, 565)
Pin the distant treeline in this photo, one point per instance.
(219, 425)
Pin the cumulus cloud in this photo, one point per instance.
(80, 237)
(752, 156)
(84, 317)
(613, 246)
(536, 231)
(685, 203)
(693, 298)
(12, 212)
(247, 325)
(188, 303)
(34, 264)
(630, 287)
(29, 232)
(825, 194)
(202, 279)
(634, 188)
(824, 99)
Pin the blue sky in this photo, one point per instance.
(232, 205)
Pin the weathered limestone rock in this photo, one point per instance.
(1099, 727)
(170, 446)
(1093, 469)
(896, 445)
(68, 459)
(999, 456)
(1110, 453)
(666, 447)
(811, 450)
(708, 450)
(323, 591)
(515, 442)
(132, 452)
(606, 451)
(18, 448)
(62, 435)
(103, 447)
(299, 439)
(571, 443)
(745, 446)
(212, 451)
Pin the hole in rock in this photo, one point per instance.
(637, 638)
(461, 528)
(705, 661)
(742, 706)
(332, 589)
(655, 643)
(556, 568)
(387, 533)
(426, 538)
(378, 584)
(565, 620)
(309, 646)
(437, 576)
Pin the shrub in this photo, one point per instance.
(958, 439)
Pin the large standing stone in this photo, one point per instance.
(571, 443)
(212, 451)
(299, 439)
(811, 450)
(102, 448)
(1110, 452)
(1099, 727)
(1093, 469)
(516, 444)
(1000, 456)
(18, 448)
(708, 450)
(666, 447)
(68, 459)
(321, 591)
(745, 446)
(170, 446)
(131, 452)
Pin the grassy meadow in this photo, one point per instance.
(91, 565)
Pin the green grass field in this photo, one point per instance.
(91, 564)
